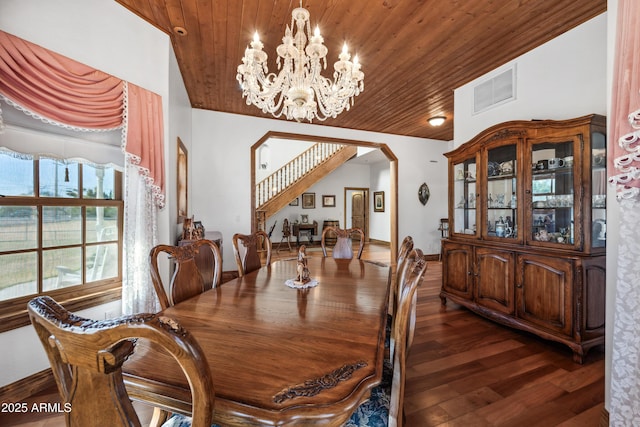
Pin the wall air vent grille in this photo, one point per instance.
(498, 90)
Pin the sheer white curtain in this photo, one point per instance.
(140, 235)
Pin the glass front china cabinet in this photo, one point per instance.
(527, 213)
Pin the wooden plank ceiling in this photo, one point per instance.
(414, 53)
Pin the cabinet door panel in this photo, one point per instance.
(594, 297)
(456, 274)
(544, 292)
(462, 183)
(494, 281)
(554, 191)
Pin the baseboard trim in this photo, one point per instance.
(604, 418)
(228, 275)
(379, 242)
(28, 386)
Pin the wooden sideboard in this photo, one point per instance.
(308, 229)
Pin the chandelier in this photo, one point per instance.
(299, 91)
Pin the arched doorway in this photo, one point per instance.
(384, 149)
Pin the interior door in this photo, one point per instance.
(359, 211)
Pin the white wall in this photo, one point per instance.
(279, 153)
(563, 79)
(221, 160)
(380, 178)
(106, 36)
(179, 126)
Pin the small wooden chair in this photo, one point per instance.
(286, 235)
(87, 356)
(343, 248)
(387, 400)
(248, 257)
(187, 280)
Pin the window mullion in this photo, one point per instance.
(83, 257)
(40, 252)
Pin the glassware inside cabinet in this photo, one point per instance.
(598, 190)
(552, 198)
(501, 193)
(465, 197)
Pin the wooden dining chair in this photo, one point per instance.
(387, 399)
(188, 279)
(248, 256)
(405, 247)
(343, 248)
(86, 357)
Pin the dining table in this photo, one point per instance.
(281, 353)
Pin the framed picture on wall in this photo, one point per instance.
(328, 201)
(294, 202)
(308, 200)
(182, 181)
(378, 201)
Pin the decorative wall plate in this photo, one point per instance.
(423, 193)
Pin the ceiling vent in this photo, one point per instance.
(495, 91)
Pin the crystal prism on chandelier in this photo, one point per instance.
(299, 91)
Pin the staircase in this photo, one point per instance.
(278, 189)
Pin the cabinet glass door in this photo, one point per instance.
(501, 193)
(552, 218)
(598, 190)
(465, 197)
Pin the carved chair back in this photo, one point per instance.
(187, 279)
(403, 330)
(248, 255)
(385, 405)
(87, 356)
(343, 248)
(405, 247)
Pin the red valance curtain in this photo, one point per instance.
(74, 95)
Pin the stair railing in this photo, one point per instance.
(293, 171)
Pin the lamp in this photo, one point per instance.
(299, 91)
(437, 121)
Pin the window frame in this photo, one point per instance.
(13, 312)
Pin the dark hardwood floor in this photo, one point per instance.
(465, 371)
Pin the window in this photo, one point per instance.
(60, 233)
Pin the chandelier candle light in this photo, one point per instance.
(294, 90)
